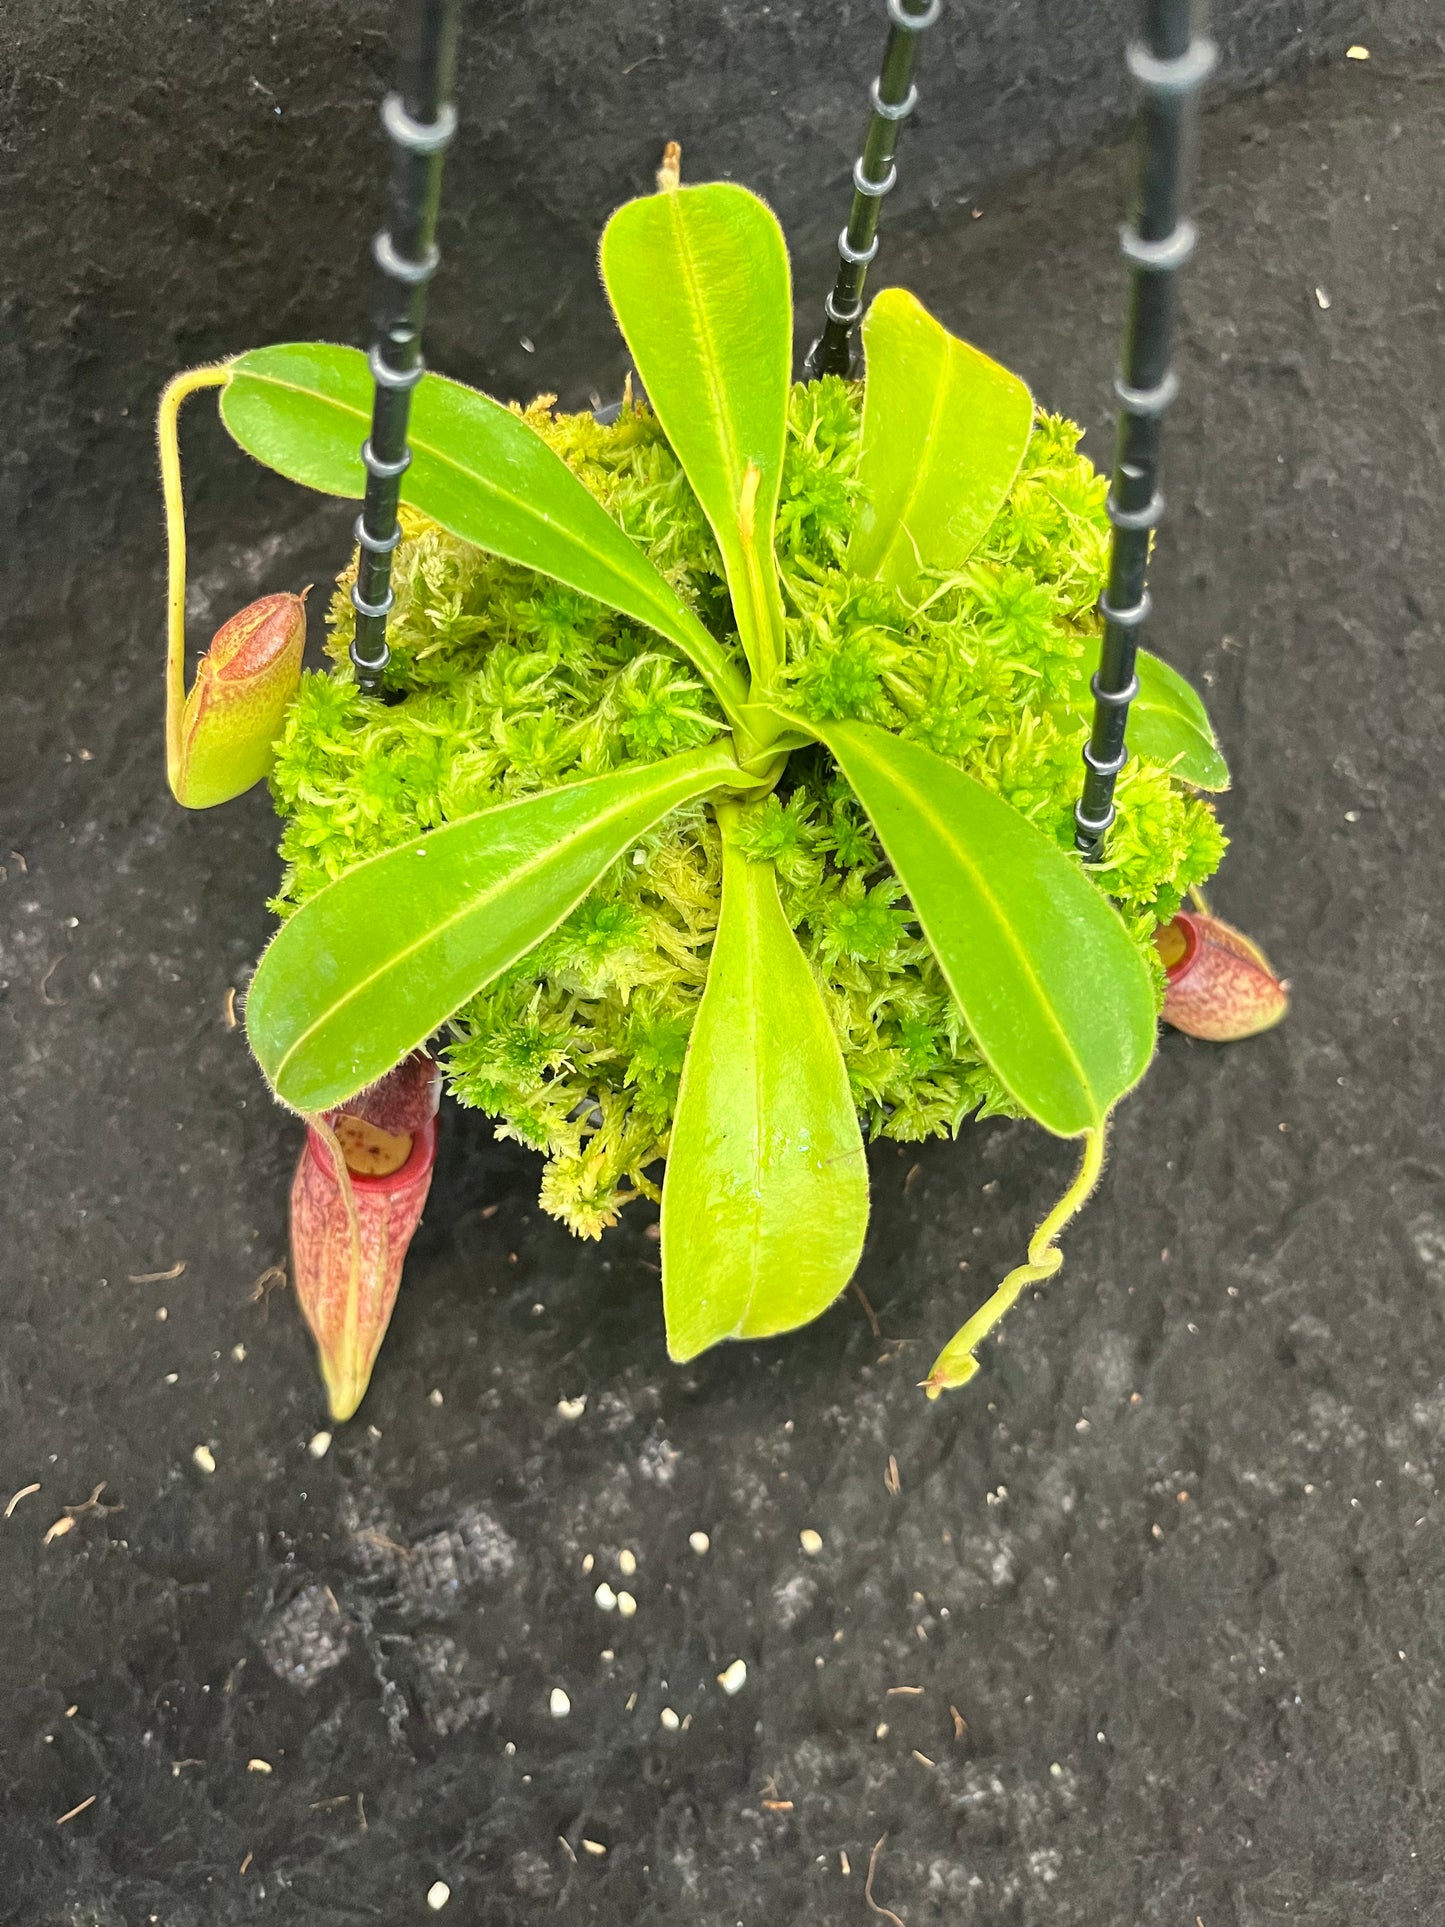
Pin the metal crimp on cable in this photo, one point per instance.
(420, 121)
(418, 137)
(892, 98)
(1170, 64)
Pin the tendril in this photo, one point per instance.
(955, 1364)
(175, 392)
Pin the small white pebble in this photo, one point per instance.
(606, 1598)
(735, 1678)
(570, 1408)
(880, 1731)
(626, 1604)
(558, 1704)
(319, 1444)
(258, 1766)
(811, 1542)
(588, 1562)
(1056, 1770)
(434, 1397)
(238, 1352)
(161, 1314)
(594, 1847)
(173, 1378)
(699, 1542)
(1357, 53)
(669, 1719)
(607, 1653)
(437, 1895)
(626, 1563)
(205, 1458)
(1322, 297)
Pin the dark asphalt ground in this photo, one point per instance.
(1175, 1560)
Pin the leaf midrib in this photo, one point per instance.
(472, 904)
(746, 557)
(946, 834)
(476, 477)
(940, 389)
(760, 1099)
(705, 337)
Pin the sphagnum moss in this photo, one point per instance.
(513, 684)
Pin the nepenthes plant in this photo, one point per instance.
(696, 785)
(720, 806)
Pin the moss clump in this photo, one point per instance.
(513, 684)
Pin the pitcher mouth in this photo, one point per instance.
(1183, 930)
(419, 1161)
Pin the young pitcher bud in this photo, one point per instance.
(234, 712)
(1220, 987)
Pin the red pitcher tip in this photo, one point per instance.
(349, 1240)
(1220, 984)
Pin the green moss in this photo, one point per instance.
(513, 684)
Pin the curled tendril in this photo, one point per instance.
(956, 1364)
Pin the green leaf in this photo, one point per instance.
(944, 431)
(369, 967)
(763, 722)
(698, 278)
(1167, 722)
(478, 469)
(1056, 995)
(765, 1201)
